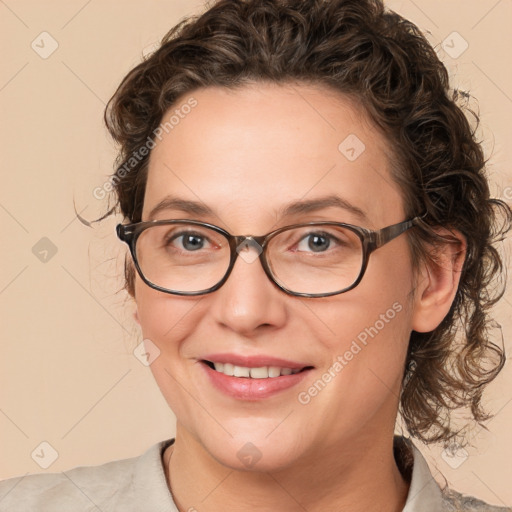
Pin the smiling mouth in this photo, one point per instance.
(263, 372)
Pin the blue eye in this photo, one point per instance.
(192, 242)
(315, 242)
(187, 240)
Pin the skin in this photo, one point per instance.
(246, 153)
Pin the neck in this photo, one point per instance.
(335, 478)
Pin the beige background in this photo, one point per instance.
(67, 372)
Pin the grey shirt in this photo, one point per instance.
(139, 484)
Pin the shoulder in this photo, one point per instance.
(453, 501)
(111, 486)
(425, 494)
(81, 488)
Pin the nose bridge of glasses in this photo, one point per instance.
(249, 247)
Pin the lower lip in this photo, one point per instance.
(245, 388)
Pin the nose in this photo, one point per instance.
(248, 301)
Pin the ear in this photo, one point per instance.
(438, 281)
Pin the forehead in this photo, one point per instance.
(249, 151)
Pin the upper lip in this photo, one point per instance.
(254, 361)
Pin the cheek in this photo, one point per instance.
(164, 319)
(368, 355)
(361, 381)
(371, 336)
(372, 323)
(167, 321)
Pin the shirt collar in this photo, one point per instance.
(152, 493)
(424, 493)
(150, 490)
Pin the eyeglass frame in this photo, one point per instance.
(371, 240)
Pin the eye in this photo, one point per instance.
(315, 242)
(188, 241)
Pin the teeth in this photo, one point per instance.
(229, 369)
(259, 373)
(241, 371)
(274, 371)
(264, 372)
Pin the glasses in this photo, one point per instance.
(314, 259)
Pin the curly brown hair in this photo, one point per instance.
(384, 63)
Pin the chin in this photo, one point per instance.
(250, 448)
(252, 456)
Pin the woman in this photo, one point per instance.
(310, 225)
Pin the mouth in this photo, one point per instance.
(260, 372)
(253, 377)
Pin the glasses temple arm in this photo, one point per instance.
(385, 235)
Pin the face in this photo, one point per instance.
(246, 155)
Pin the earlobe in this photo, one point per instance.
(437, 282)
(136, 315)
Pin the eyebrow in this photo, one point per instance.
(300, 207)
(184, 205)
(313, 205)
